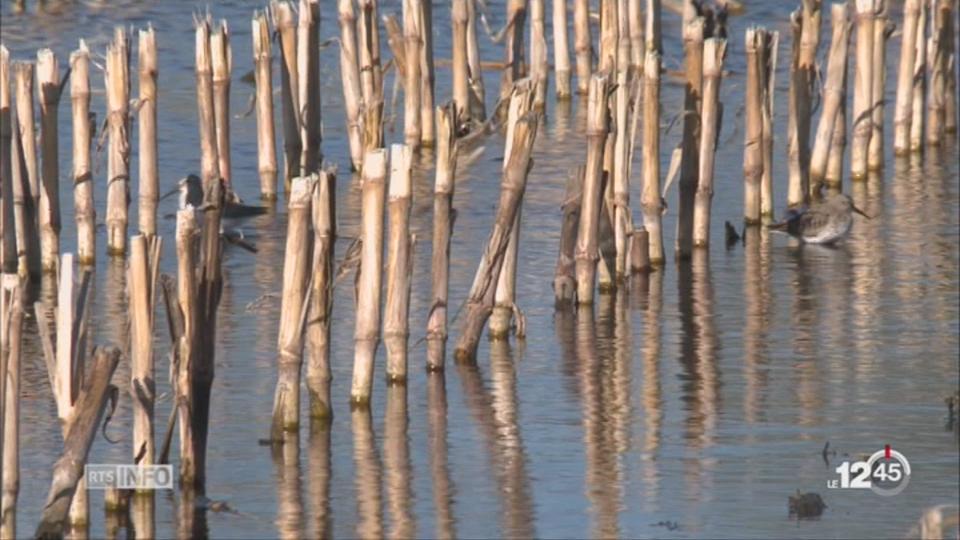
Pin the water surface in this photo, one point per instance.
(700, 398)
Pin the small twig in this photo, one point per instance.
(46, 343)
(675, 160)
(114, 394)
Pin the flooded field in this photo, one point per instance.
(690, 404)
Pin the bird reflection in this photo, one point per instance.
(495, 414)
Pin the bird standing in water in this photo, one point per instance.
(190, 190)
(823, 222)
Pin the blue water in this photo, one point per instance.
(698, 400)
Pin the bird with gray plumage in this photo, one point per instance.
(823, 222)
(190, 190)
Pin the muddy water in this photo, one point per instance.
(691, 405)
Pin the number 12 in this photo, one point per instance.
(861, 480)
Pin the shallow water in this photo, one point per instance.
(691, 405)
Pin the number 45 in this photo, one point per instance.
(885, 472)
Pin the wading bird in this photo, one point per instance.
(823, 222)
(190, 190)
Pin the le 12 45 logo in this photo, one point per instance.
(886, 472)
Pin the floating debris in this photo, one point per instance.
(806, 505)
(668, 525)
(953, 406)
(262, 302)
(827, 453)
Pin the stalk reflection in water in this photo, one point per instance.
(443, 489)
(286, 463)
(494, 412)
(318, 456)
(367, 475)
(396, 463)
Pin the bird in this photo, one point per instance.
(823, 222)
(190, 190)
(732, 236)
